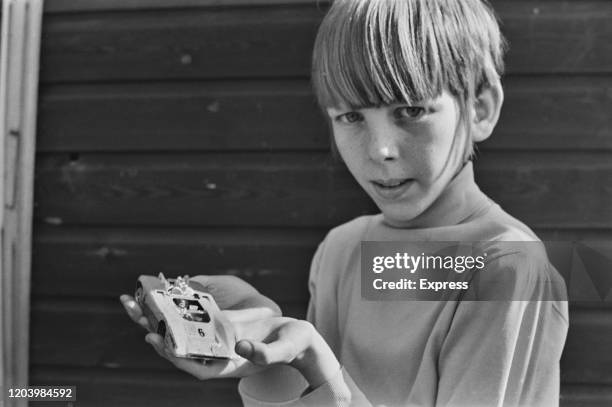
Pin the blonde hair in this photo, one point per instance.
(370, 53)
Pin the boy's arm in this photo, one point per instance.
(506, 352)
(272, 390)
(283, 385)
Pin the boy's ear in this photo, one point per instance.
(486, 110)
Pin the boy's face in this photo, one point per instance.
(401, 154)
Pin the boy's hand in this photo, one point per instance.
(262, 343)
(239, 301)
(288, 341)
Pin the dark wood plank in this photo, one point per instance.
(267, 115)
(209, 43)
(562, 185)
(559, 234)
(559, 36)
(554, 113)
(104, 262)
(585, 396)
(75, 6)
(244, 189)
(295, 189)
(128, 388)
(549, 113)
(99, 334)
(586, 356)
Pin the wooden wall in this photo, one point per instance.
(186, 140)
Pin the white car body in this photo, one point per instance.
(189, 319)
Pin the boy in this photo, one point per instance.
(408, 87)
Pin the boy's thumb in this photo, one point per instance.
(256, 352)
(265, 354)
(244, 349)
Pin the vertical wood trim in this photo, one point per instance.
(19, 66)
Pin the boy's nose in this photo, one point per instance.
(384, 147)
(387, 153)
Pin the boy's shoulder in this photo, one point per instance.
(343, 242)
(496, 225)
(351, 233)
(517, 264)
(503, 236)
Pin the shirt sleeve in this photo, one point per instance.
(283, 386)
(506, 353)
(339, 391)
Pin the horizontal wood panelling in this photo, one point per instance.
(241, 190)
(558, 37)
(101, 262)
(97, 333)
(104, 263)
(555, 113)
(179, 44)
(550, 190)
(128, 388)
(585, 396)
(268, 115)
(586, 356)
(295, 189)
(63, 6)
(100, 334)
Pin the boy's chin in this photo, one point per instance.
(399, 215)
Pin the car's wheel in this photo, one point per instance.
(139, 293)
(161, 329)
(170, 341)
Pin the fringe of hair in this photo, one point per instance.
(370, 53)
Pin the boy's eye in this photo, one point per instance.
(350, 117)
(409, 112)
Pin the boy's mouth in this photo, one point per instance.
(392, 189)
(391, 183)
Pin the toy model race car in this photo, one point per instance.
(189, 320)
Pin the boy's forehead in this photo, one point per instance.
(338, 107)
(343, 106)
(436, 100)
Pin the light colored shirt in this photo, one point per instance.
(434, 353)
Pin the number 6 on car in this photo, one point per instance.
(188, 319)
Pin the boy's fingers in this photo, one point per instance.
(144, 322)
(201, 279)
(282, 351)
(250, 314)
(198, 369)
(130, 304)
(158, 344)
(133, 310)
